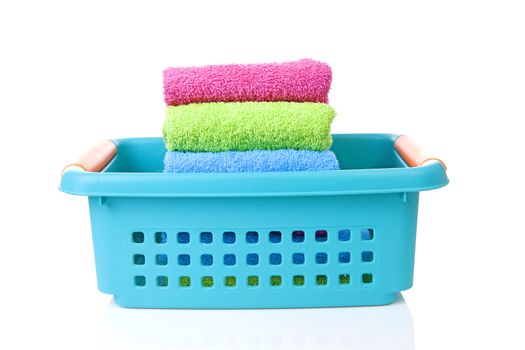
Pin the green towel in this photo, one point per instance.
(243, 126)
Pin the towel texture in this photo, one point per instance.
(250, 161)
(300, 81)
(245, 126)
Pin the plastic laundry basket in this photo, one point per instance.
(255, 240)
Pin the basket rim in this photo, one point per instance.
(431, 175)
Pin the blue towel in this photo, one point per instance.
(250, 161)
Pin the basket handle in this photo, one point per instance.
(95, 159)
(411, 153)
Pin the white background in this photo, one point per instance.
(449, 73)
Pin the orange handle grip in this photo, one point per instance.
(411, 153)
(96, 158)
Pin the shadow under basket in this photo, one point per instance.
(255, 240)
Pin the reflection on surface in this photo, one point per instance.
(379, 327)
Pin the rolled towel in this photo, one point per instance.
(250, 161)
(305, 80)
(246, 126)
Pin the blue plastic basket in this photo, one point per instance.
(255, 240)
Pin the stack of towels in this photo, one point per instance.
(248, 118)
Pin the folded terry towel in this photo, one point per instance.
(246, 126)
(301, 81)
(250, 161)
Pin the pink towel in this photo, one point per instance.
(299, 81)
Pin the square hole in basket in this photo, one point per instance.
(137, 237)
(298, 258)
(162, 281)
(184, 259)
(321, 280)
(252, 237)
(229, 259)
(207, 281)
(230, 281)
(367, 278)
(276, 259)
(367, 234)
(139, 259)
(344, 257)
(321, 235)
(206, 259)
(367, 256)
(228, 237)
(298, 236)
(140, 281)
(161, 259)
(344, 235)
(252, 259)
(161, 237)
(321, 258)
(206, 237)
(253, 281)
(275, 281)
(183, 237)
(298, 280)
(344, 279)
(184, 281)
(275, 237)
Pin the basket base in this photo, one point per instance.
(262, 301)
